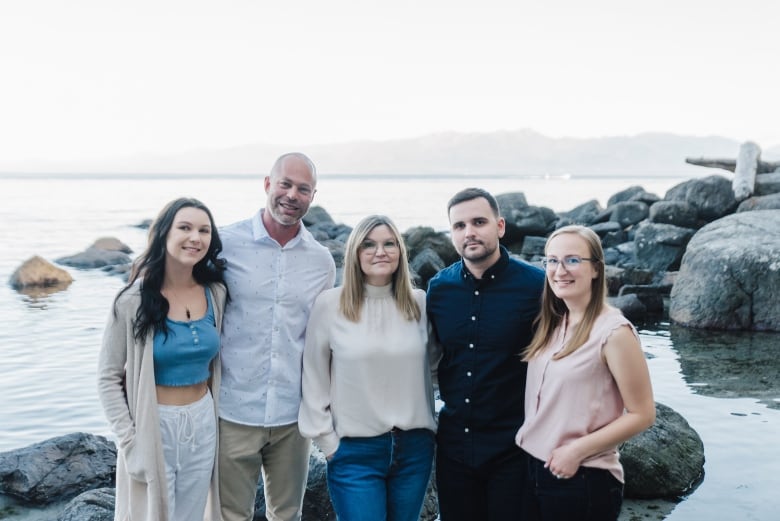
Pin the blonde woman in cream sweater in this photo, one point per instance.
(367, 393)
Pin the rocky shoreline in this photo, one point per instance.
(699, 257)
(77, 471)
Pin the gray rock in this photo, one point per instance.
(533, 247)
(628, 213)
(603, 228)
(660, 247)
(631, 307)
(37, 272)
(528, 220)
(730, 275)
(317, 215)
(419, 238)
(614, 238)
(711, 196)
(652, 297)
(665, 461)
(94, 258)
(760, 202)
(93, 505)
(111, 244)
(767, 184)
(678, 213)
(426, 264)
(511, 201)
(625, 195)
(58, 469)
(330, 230)
(583, 214)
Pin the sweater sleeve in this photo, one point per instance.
(111, 372)
(315, 419)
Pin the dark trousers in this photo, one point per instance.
(489, 492)
(590, 495)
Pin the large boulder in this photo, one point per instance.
(628, 213)
(730, 275)
(583, 214)
(665, 461)
(58, 469)
(711, 196)
(37, 272)
(660, 247)
(678, 213)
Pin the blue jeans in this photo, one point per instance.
(590, 495)
(382, 477)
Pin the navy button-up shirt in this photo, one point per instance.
(481, 326)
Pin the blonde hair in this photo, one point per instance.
(554, 310)
(353, 292)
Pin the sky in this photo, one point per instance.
(86, 79)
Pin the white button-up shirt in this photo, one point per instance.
(272, 289)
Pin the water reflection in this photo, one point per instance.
(728, 364)
(36, 293)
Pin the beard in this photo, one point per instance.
(484, 251)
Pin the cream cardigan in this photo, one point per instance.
(141, 489)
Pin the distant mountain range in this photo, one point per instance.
(521, 152)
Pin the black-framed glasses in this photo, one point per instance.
(570, 262)
(370, 247)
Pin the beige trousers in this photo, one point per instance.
(283, 456)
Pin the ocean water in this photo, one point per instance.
(724, 385)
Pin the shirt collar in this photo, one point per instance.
(259, 231)
(490, 273)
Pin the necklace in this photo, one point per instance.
(179, 301)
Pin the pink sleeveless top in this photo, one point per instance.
(568, 398)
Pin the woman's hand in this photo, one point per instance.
(564, 461)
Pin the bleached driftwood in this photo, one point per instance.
(744, 182)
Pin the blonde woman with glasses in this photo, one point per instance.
(588, 388)
(367, 393)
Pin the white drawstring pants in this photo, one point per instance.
(189, 439)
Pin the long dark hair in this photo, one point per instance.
(149, 267)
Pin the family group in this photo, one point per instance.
(230, 350)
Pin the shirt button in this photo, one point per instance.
(473, 317)
(468, 401)
(466, 429)
(476, 292)
(492, 276)
(468, 374)
(471, 346)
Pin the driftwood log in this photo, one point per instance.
(763, 167)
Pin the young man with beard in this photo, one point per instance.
(481, 309)
(275, 270)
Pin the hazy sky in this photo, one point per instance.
(97, 78)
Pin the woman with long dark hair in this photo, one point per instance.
(158, 373)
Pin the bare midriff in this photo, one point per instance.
(181, 395)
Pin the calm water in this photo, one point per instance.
(725, 386)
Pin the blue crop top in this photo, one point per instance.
(183, 357)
